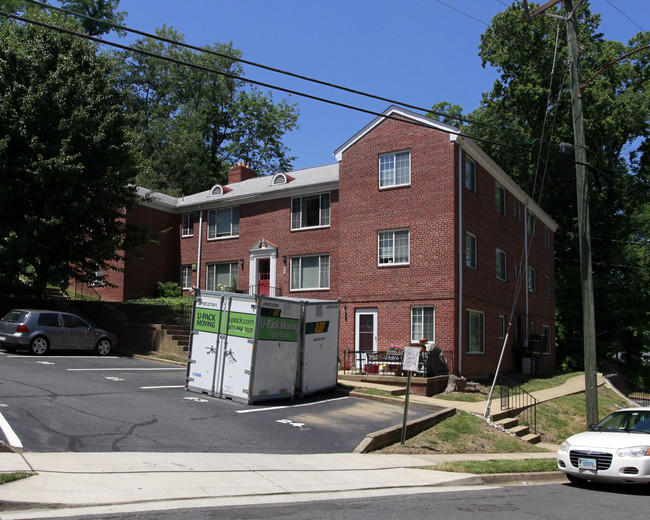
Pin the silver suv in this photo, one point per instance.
(42, 330)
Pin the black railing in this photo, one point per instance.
(390, 362)
(265, 290)
(515, 398)
(633, 391)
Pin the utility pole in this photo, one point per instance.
(582, 193)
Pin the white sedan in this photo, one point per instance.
(616, 449)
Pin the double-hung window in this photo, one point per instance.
(393, 247)
(186, 276)
(310, 272)
(395, 169)
(470, 174)
(502, 326)
(470, 250)
(501, 265)
(422, 323)
(222, 276)
(475, 332)
(223, 223)
(499, 198)
(187, 225)
(546, 339)
(532, 279)
(310, 211)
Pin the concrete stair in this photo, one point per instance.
(511, 424)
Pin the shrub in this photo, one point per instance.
(168, 290)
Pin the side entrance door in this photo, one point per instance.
(365, 327)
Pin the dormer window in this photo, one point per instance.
(281, 178)
(218, 189)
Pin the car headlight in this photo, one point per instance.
(565, 446)
(634, 451)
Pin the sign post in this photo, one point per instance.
(410, 364)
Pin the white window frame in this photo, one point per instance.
(388, 173)
(187, 225)
(382, 247)
(502, 326)
(501, 265)
(547, 238)
(480, 348)
(500, 198)
(296, 274)
(213, 219)
(211, 276)
(546, 339)
(471, 250)
(186, 277)
(469, 173)
(532, 279)
(324, 211)
(532, 219)
(419, 328)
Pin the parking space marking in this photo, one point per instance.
(160, 387)
(291, 405)
(122, 369)
(10, 435)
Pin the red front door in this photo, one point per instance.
(264, 276)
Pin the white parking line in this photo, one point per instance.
(12, 438)
(122, 369)
(160, 387)
(291, 406)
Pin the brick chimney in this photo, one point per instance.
(240, 172)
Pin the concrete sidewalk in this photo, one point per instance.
(70, 484)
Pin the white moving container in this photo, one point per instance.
(319, 347)
(244, 347)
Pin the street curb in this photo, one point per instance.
(377, 440)
(522, 478)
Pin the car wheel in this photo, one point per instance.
(39, 346)
(103, 347)
(577, 481)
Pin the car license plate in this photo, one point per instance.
(587, 464)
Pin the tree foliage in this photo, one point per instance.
(193, 122)
(65, 160)
(529, 109)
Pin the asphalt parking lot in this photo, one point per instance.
(74, 402)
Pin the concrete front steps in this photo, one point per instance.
(511, 424)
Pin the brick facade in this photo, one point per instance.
(380, 298)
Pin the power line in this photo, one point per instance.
(626, 16)
(247, 80)
(252, 63)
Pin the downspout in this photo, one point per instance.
(526, 331)
(198, 258)
(461, 261)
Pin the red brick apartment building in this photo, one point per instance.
(414, 229)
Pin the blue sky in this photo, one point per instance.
(418, 52)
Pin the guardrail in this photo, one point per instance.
(514, 397)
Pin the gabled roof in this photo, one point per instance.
(394, 112)
(305, 181)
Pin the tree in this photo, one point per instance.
(192, 123)
(98, 9)
(529, 109)
(65, 160)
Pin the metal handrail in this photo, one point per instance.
(514, 397)
(270, 290)
(634, 392)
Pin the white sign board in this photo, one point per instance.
(411, 358)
